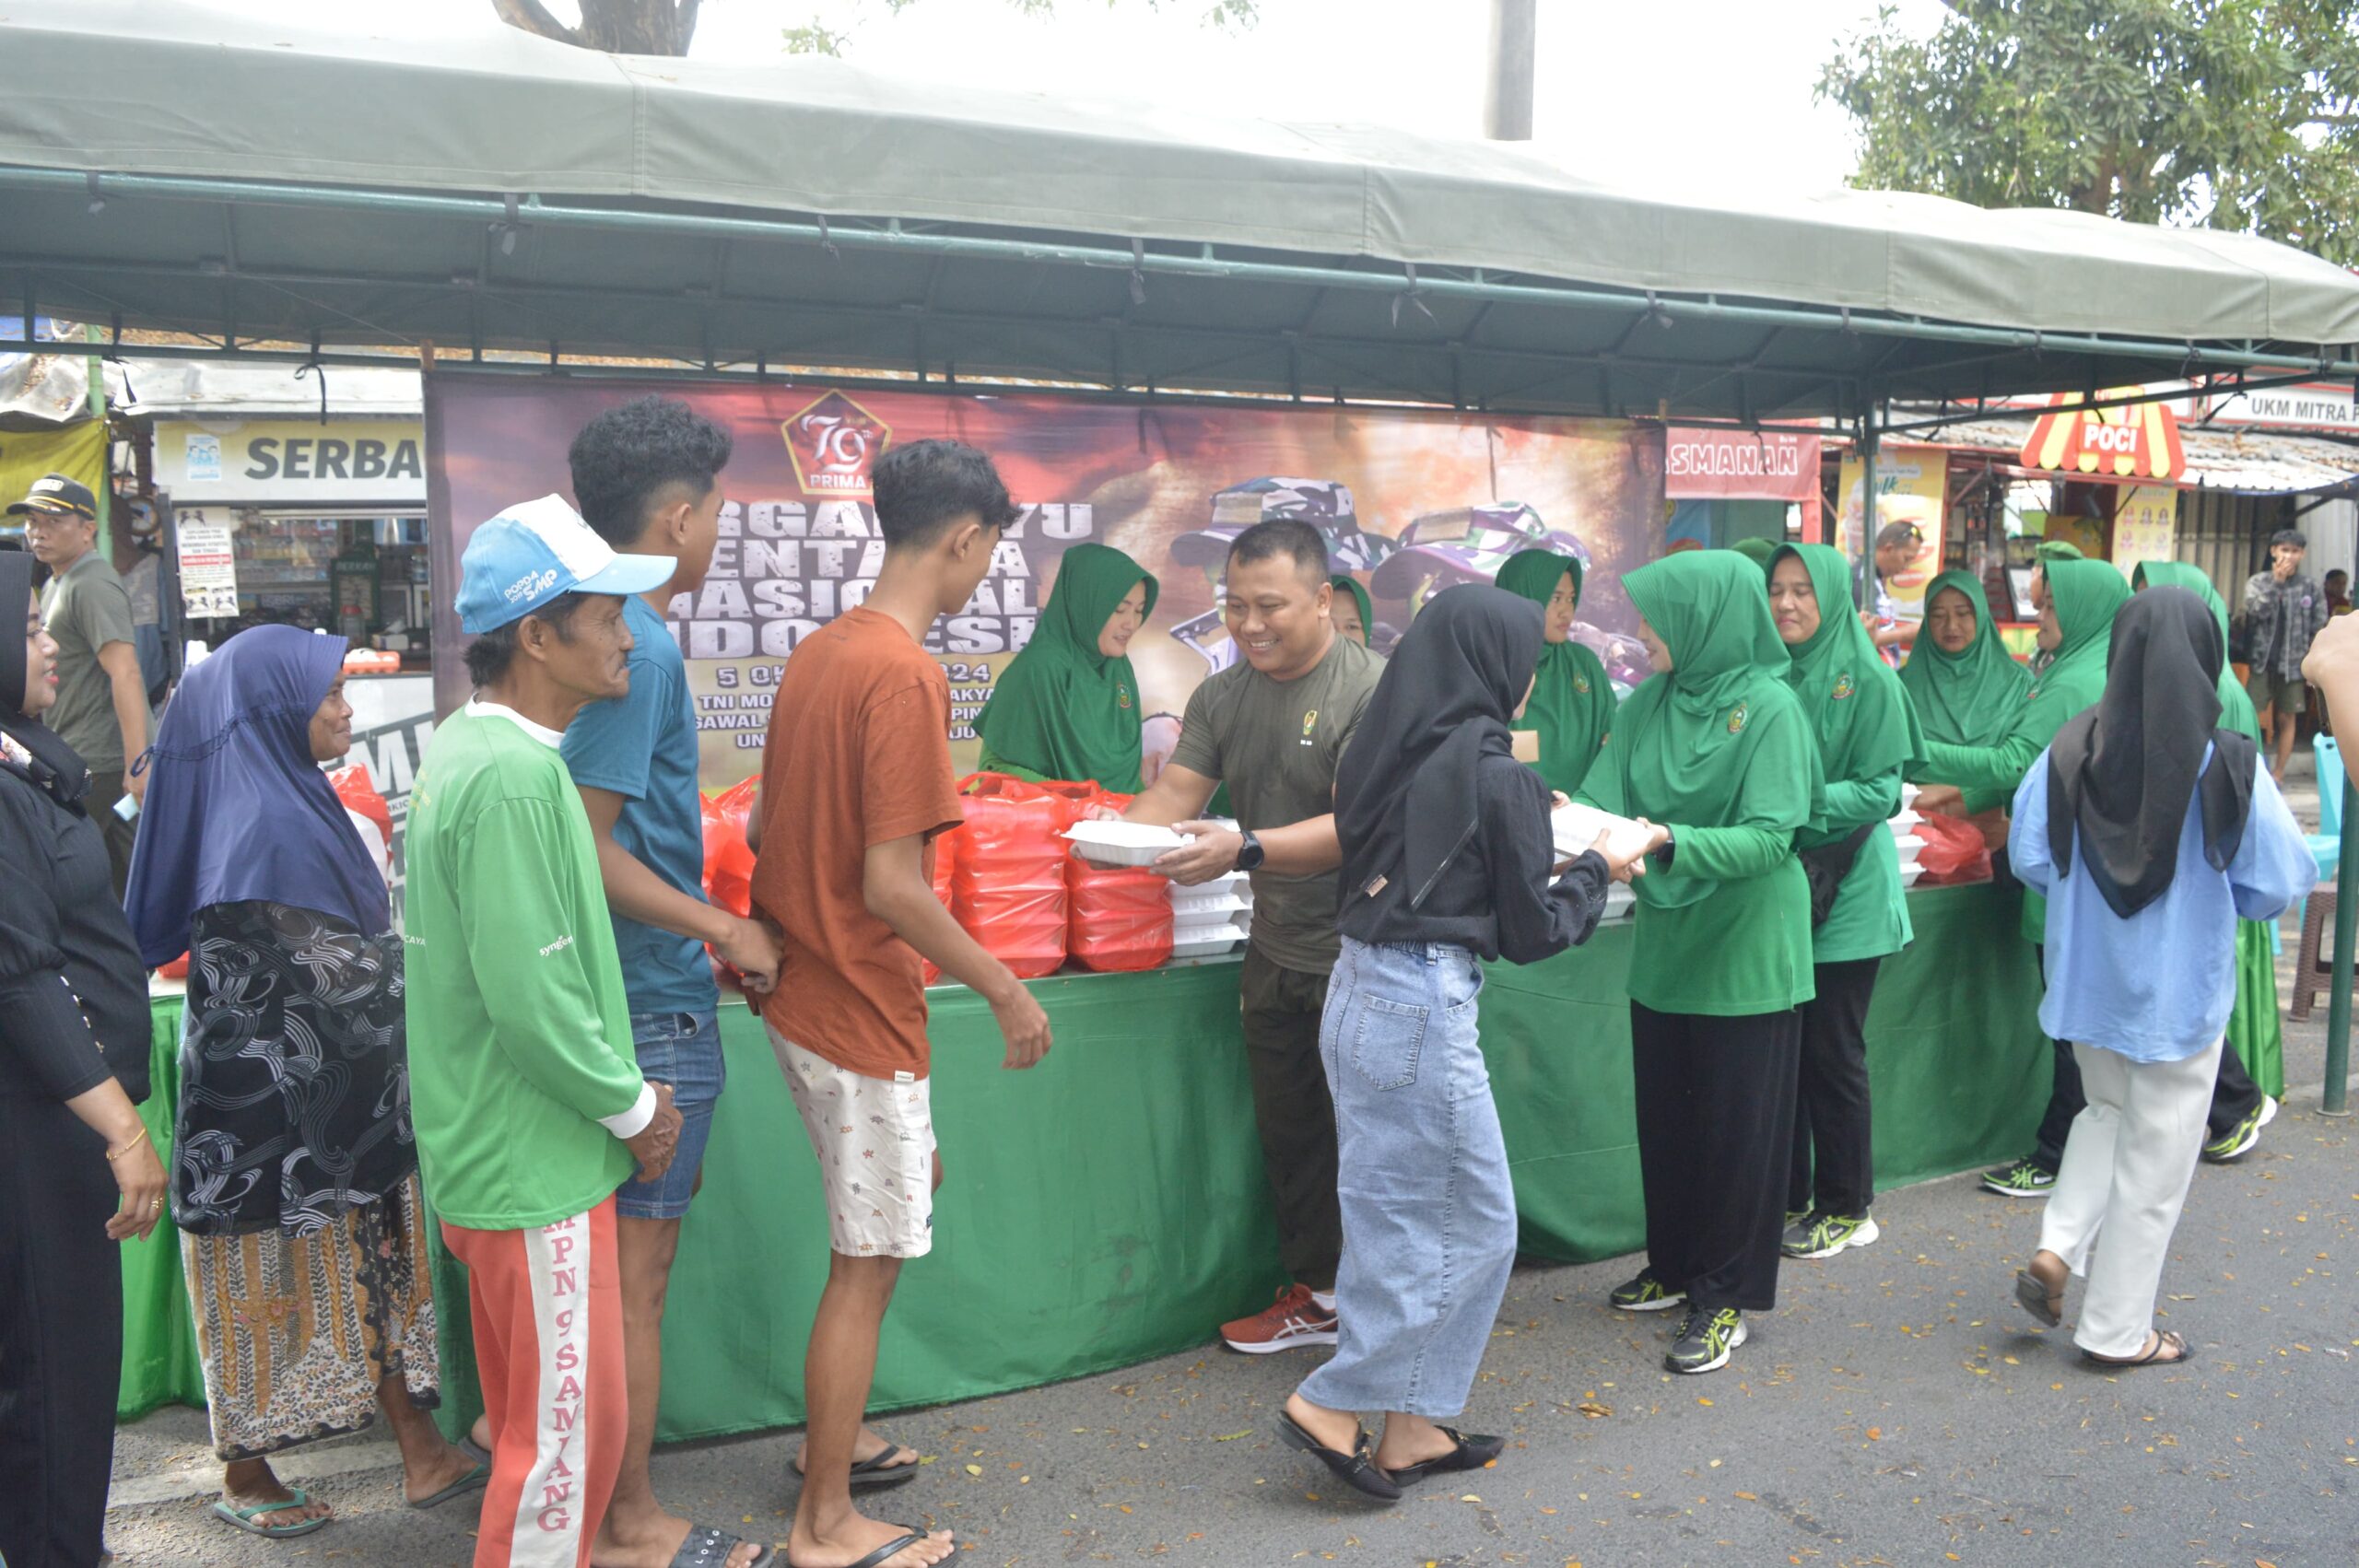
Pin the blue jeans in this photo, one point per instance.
(684, 1050)
(1428, 1211)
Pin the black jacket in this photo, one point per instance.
(72, 992)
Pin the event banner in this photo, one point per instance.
(1409, 502)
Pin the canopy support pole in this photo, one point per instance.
(2335, 1101)
(1869, 440)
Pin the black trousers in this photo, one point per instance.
(1831, 1103)
(2234, 1097)
(61, 1336)
(1294, 1113)
(1716, 1127)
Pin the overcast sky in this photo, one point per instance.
(1697, 94)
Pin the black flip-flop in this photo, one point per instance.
(883, 1554)
(873, 1474)
(2153, 1357)
(1472, 1454)
(2038, 1299)
(705, 1547)
(1358, 1469)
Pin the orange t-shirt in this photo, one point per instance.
(858, 753)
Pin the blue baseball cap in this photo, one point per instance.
(536, 551)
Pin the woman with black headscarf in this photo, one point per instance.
(2151, 830)
(1447, 861)
(78, 1170)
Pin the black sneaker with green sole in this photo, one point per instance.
(2238, 1140)
(1646, 1294)
(1706, 1340)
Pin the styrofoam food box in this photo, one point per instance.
(1910, 847)
(1576, 827)
(1195, 907)
(1124, 843)
(1208, 943)
(1910, 873)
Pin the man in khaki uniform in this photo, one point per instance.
(101, 709)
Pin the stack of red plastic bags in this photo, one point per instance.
(1008, 876)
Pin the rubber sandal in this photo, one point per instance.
(2037, 1300)
(704, 1547)
(883, 1554)
(1358, 1469)
(2153, 1357)
(473, 1481)
(1472, 1454)
(873, 1474)
(245, 1518)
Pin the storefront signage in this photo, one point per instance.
(209, 567)
(267, 461)
(1912, 486)
(2145, 526)
(2140, 441)
(1709, 464)
(2320, 407)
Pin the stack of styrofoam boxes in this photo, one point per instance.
(1212, 918)
(1904, 834)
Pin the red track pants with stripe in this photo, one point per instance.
(548, 1325)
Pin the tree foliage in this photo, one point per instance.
(2241, 114)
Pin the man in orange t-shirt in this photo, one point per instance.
(856, 782)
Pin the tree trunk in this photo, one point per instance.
(619, 27)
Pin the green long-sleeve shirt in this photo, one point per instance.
(1869, 918)
(523, 1077)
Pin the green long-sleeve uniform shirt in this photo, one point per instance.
(522, 1079)
(1870, 918)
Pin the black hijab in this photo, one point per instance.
(1405, 795)
(36, 751)
(2121, 774)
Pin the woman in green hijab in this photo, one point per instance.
(1067, 707)
(2252, 1069)
(1757, 551)
(1355, 615)
(2076, 628)
(1964, 685)
(1571, 708)
(1867, 734)
(1717, 747)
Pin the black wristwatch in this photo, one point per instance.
(1662, 853)
(1249, 854)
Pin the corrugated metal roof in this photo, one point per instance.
(2248, 461)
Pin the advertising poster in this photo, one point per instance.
(2145, 527)
(1912, 486)
(1409, 502)
(208, 566)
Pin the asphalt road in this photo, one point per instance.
(1898, 1408)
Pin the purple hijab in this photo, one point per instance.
(237, 809)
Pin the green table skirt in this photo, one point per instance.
(1109, 1206)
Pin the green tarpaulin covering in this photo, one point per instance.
(1107, 1206)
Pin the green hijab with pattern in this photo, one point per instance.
(2236, 703)
(1061, 709)
(1572, 702)
(1686, 744)
(1855, 707)
(1967, 698)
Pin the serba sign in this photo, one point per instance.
(326, 457)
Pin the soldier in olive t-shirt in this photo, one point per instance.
(1273, 735)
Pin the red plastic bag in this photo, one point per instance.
(1120, 914)
(728, 863)
(1008, 886)
(1954, 852)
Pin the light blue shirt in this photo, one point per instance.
(2159, 986)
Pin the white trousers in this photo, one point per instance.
(2126, 1169)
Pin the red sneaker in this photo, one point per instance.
(1295, 1319)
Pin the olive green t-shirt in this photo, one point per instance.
(1275, 744)
(84, 608)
